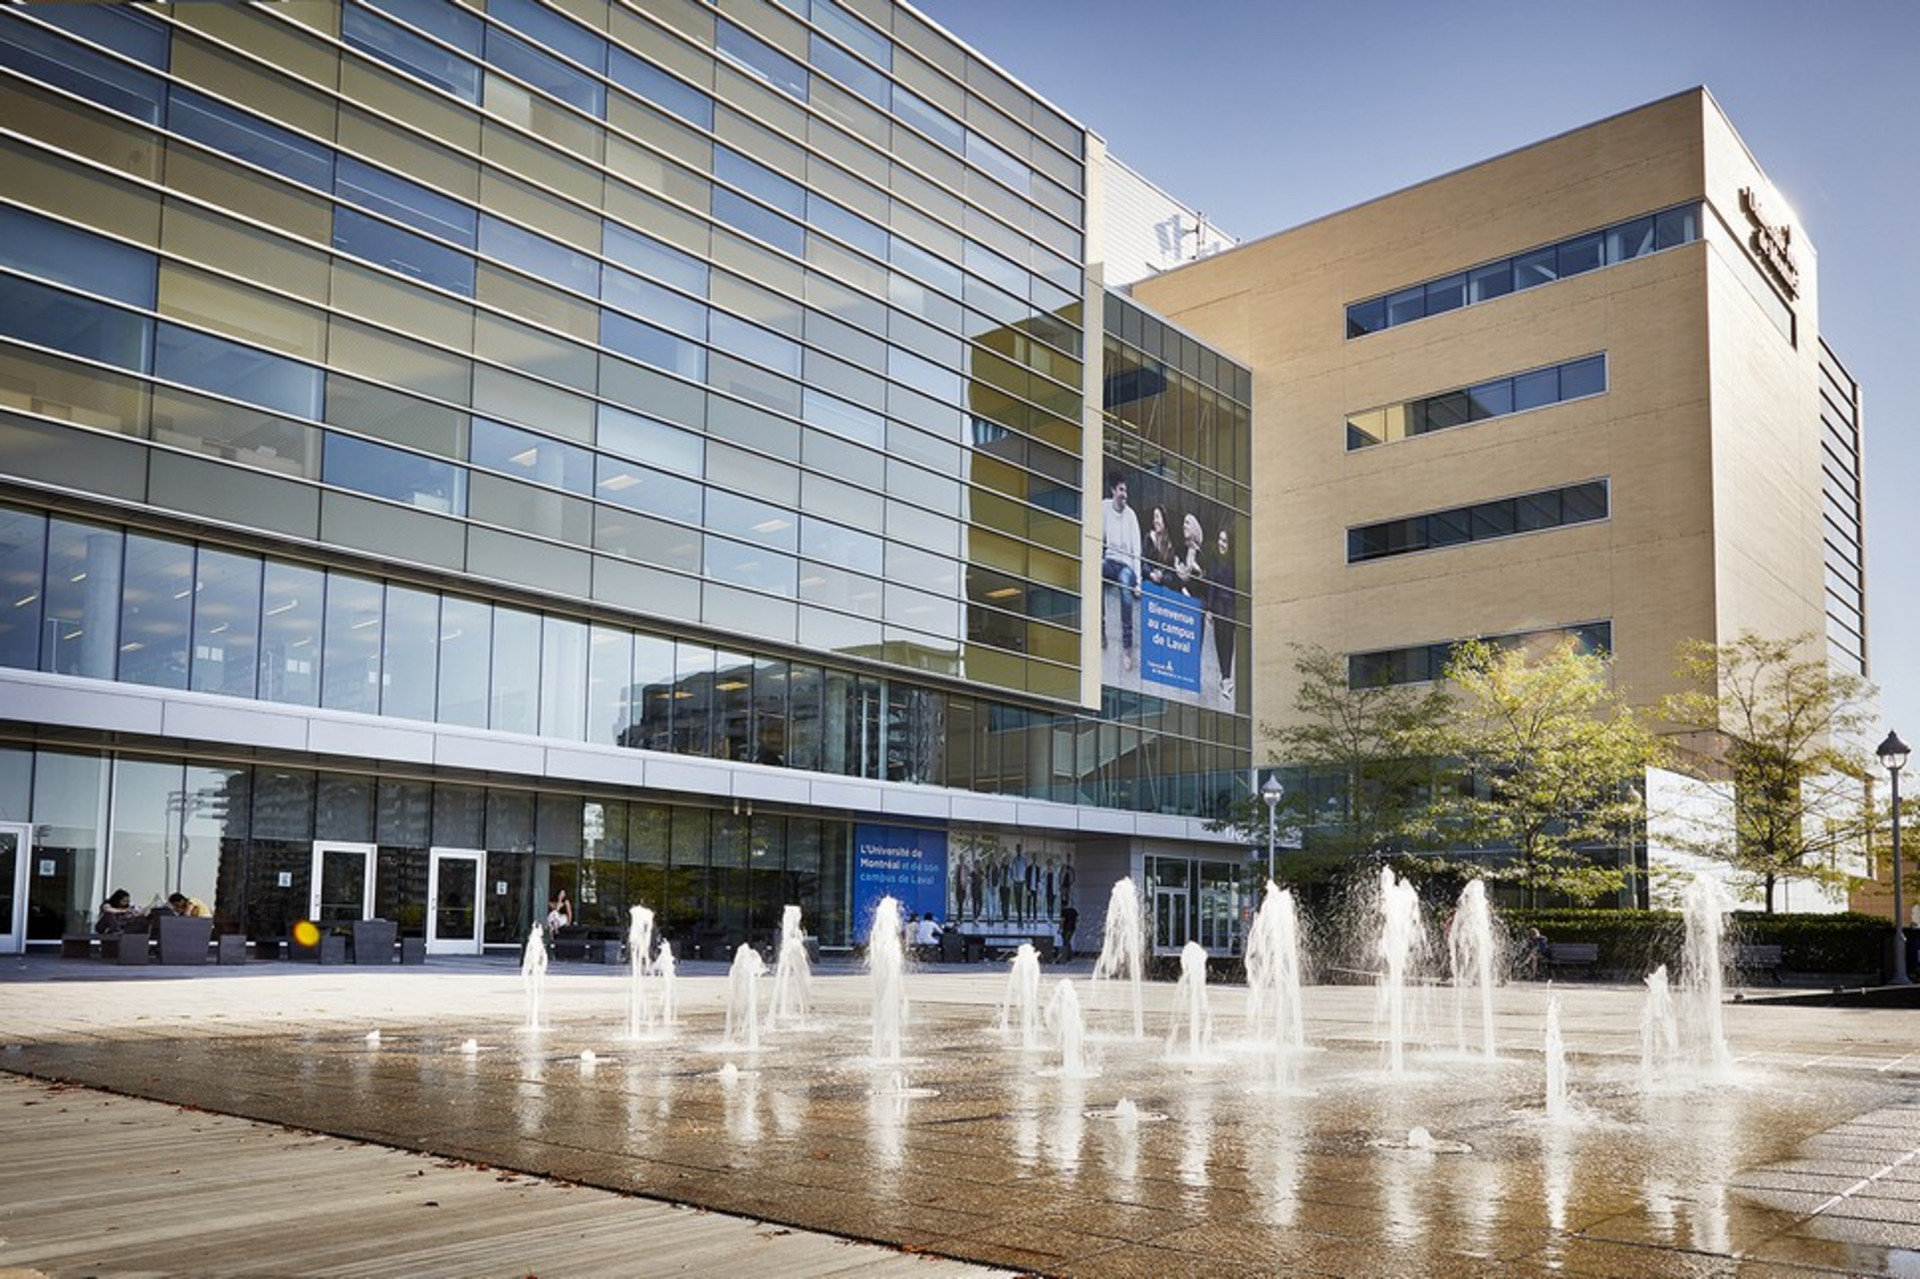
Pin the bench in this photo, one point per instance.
(1573, 954)
(1759, 959)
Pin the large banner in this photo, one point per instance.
(906, 863)
(1170, 632)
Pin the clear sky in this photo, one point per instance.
(1265, 114)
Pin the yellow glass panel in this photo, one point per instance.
(71, 392)
(368, 293)
(263, 199)
(236, 432)
(396, 417)
(267, 92)
(539, 303)
(544, 168)
(639, 209)
(199, 297)
(267, 37)
(76, 194)
(398, 99)
(1369, 427)
(387, 357)
(81, 130)
(532, 351)
(506, 395)
(372, 138)
(1052, 644)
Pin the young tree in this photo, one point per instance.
(1369, 753)
(1787, 728)
(1557, 756)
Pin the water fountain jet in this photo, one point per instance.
(886, 962)
(1122, 943)
(1190, 1005)
(533, 975)
(792, 973)
(1022, 1000)
(1472, 958)
(743, 998)
(1273, 964)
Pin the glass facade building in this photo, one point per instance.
(635, 448)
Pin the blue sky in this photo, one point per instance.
(1264, 114)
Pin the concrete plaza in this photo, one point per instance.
(1802, 1157)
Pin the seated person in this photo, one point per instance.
(559, 913)
(927, 932)
(118, 913)
(190, 906)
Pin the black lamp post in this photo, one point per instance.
(1271, 790)
(1893, 755)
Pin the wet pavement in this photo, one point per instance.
(1800, 1157)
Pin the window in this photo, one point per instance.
(544, 259)
(1581, 253)
(440, 216)
(394, 474)
(226, 623)
(537, 22)
(1534, 389)
(32, 312)
(661, 444)
(248, 137)
(650, 345)
(241, 372)
(398, 47)
(350, 662)
(43, 56)
(544, 72)
(758, 58)
(1501, 517)
(534, 458)
(650, 301)
(1419, 663)
(79, 259)
(644, 489)
(411, 255)
(651, 258)
(648, 82)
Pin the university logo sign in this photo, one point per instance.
(1772, 242)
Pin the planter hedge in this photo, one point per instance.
(1634, 942)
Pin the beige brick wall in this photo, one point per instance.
(1708, 431)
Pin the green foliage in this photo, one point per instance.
(1558, 756)
(1375, 745)
(1634, 942)
(1782, 720)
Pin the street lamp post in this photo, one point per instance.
(1893, 755)
(1271, 790)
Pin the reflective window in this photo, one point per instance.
(649, 345)
(412, 255)
(755, 220)
(46, 57)
(527, 456)
(23, 557)
(837, 544)
(750, 520)
(122, 29)
(1534, 389)
(563, 679)
(66, 322)
(226, 623)
(545, 72)
(398, 47)
(79, 259)
(930, 120)
(291, 612)
(350, 661)
(827, 216)
(1581, 253)
(754, 567)
(249, 137)
(410, 655)
(466, 655)
(516, 672)
(419, 207)
(646, 81)
(650, 257)
(758, 58)
(544, 259)
(654, 303)
(609, 684)
(641, 488)
(537, 22)
(831, 60)
(394, 474)
(156, 612)
(751, 342)
(1501, 517)
(82, 613)
(665, 446)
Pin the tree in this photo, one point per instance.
(1557, 756)
(1786, 729)
(1366, 756)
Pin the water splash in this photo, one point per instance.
(640, 1013)
(1273, 963)
(1069, 1030)
(1122, 947)
(1472, 960)
(792, 973)
(664, 968)
(1191, 1007)
(1705, 907)
(743, 998)
(533, 975)
(886, 962)
(1659, 1031)
(1556, 1058)
(1022, 1000)
(1402, 941)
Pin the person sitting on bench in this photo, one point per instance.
(189, 906)
(117, 914)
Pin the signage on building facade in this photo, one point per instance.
(1772, 242)
(906, 863)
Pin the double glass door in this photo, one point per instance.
(456, 921)
(16, 848)
(1171, 920)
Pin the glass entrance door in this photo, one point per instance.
(454, 918)
(1170, 920)
(16, 848)
(342, 884)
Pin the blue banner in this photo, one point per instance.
(1170, 631)
(906, 863)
